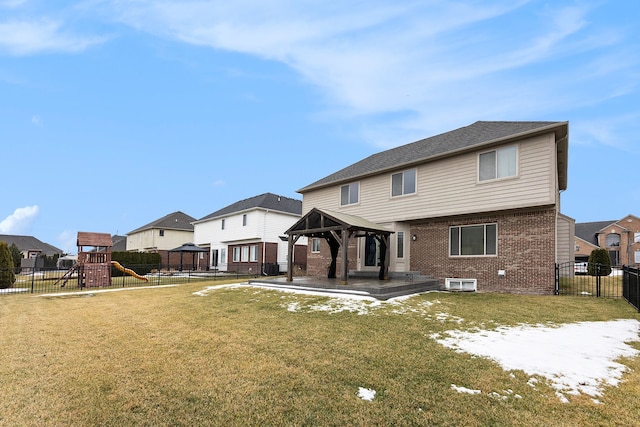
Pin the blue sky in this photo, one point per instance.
(116, 113)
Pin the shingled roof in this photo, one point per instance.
(30, 243)
(174, 221)
(588, 231)
(269, 201)
(474, 136)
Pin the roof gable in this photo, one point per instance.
(474, 136)
(588, 231)
(268, 201)
(174, 221)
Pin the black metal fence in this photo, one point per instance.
(589, 280)
(631, 286)
(41, 280)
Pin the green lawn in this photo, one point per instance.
(248, 356)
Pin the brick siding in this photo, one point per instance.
(526, 251)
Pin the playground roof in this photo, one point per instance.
(94, 239)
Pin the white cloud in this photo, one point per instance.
(432, 66)
(43, 35)
(19, 221)
(12, 4)
(67, 240)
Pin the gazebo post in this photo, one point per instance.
(290, 258)
(345, 257)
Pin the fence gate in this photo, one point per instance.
(630, 286)
(589, 280)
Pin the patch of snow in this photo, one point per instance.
(366, 394)
(575, 358)
(464, 390)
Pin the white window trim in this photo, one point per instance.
(253, 253)
(403, 194)
(485, 255)
(313, 240)
(244, 254)
(515, 175)
(236, 254)
(349, 203)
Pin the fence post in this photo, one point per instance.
(557, 284)
(598, 280)
(33, 278)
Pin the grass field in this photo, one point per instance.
(247, 356)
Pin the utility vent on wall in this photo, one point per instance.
(456, 284)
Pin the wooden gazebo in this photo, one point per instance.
(337, 229)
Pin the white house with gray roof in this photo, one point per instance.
(248, 235)
(480, 203)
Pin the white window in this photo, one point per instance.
(253, 254)
(245, 254)
(349, 194)
(500, 163)
(612, 239)
(636, 257)
(315, 245)
(636, 237)
(403, 183)
(236, 254)
(244, 220)
(223, 255)
(161, 233)
(222, 222)
(400, 244)
(473, 240)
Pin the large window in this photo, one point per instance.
(473, 240)
(315, 245)
(253, 254)
(236, 254)
(636, 237)
(500, 163)
(349, 194)
(245, 253)
(403, 183)
(612, 239)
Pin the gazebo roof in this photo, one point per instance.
(317, 222)
(189, 247)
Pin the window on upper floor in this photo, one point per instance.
(473, 240)
(636, 237)
(496, 164)
(612, 239)
(403, 183)
(349, 194)
(222, 224)
(161, 232)
(315, 245)
(244, 220)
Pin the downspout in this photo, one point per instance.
(264, 241)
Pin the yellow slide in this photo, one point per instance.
(117, 265)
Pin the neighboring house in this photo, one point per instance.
(162, 235)
(248, 235)
(30, 247)
(481, 202)
(621, 238)
(119, 243)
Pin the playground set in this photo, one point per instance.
(93, 268)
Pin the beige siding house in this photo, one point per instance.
(481, 202)
(162, 235)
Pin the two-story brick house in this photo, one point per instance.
(621, 238)
(247, 235)
(481, 202)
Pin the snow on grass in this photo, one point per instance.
(464, 390)
(575, 358)
(366, 394)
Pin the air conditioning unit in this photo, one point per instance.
(457, 284)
